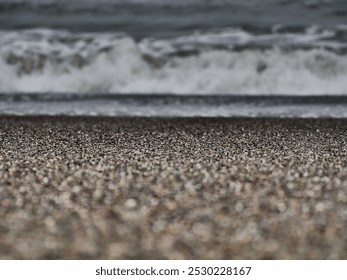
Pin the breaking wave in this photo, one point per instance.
(230, 61)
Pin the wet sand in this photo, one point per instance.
(136, 188)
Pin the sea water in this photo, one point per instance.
(101, 49)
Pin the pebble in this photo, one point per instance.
(189, 188)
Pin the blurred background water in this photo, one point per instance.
(186, 47)
(143, 18)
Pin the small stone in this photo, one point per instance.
(131, 203)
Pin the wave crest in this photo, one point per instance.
(118, 64)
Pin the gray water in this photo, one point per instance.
(183, 47)
(168, 105)
(169, 18)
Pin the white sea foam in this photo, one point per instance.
(109, 63)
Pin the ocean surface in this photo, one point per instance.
(174, 58)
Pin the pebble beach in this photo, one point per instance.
(172, 188)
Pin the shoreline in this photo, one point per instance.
(172, 188)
